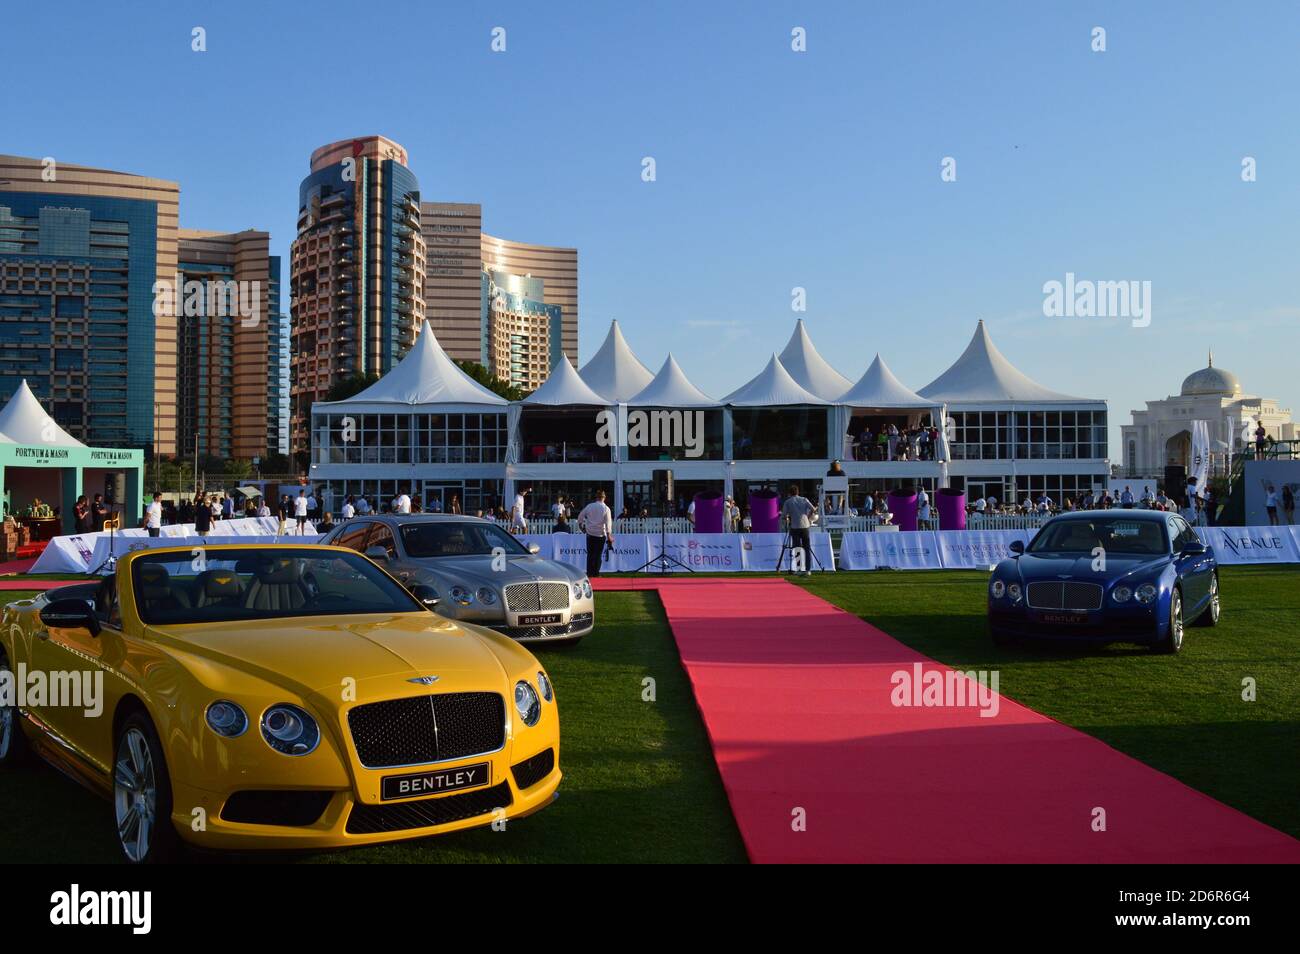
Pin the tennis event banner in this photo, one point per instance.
(866, 550)
(762, 550)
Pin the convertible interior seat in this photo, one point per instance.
(158, 592)
(218, 588)
(277, 586)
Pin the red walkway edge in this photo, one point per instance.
(795, 694)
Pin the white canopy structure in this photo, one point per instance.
(879, 388)
(615, 373)
(772, 387)
(982, 376)
(564, 387)
(810, 369)
(425, 376)
(24, 421)
(671, 388)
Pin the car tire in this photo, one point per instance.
(142, 794)
(14, 747)
(1172, 641)
(1210, 616)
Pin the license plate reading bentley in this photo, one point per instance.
(539, 619)
(435, 782)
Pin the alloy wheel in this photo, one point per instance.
(135, 794)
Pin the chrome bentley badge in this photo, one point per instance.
(424, 680)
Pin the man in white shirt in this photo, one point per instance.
(300, 510)
(403, 503)
(597, 522)
(518, 523)
(363, 505)
(153, 516)
(349, 511)
(981, 505)
(560, 513)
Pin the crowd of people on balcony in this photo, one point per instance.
(890, 442)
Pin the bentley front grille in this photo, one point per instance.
(423, 729)
(537, 597)
(1066, 595)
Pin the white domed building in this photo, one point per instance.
(1161, 435)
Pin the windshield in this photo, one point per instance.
(452, 538)
(1113, 535)
(229, 584)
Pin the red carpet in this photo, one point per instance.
(21, 584)
(800, 717)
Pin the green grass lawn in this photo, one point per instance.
(1181, 714)
(640, 784)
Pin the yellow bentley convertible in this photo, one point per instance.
(274, 697)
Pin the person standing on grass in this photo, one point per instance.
(797, 511)
(518, 522)
(349, 510)
(300, 511)
(153, 516)
(1270, 505)
(597, 522)
(202, 516)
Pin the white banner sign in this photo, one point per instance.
(1233, 545)
(760, 552)
(897, 551)
(976, 549)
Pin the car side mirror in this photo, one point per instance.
(1016, 546)
(534, 549)
(70, 614)
(1195, 548)
(378, 554)
(426, 594)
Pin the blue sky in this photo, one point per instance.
(775, 169)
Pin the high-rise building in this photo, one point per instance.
(232, 357)
(521, 337)
(484, 293)
(357, 269)
(81, 251)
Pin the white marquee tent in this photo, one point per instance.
(615, 373)
(671, 388)
(809, 368)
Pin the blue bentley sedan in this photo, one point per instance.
(1106, 576)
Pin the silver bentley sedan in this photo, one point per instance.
(480, 572)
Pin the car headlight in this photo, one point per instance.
(461, 595)
(1013, 591)
(577, 590)
(486, 595)
(1122, 594)
(998, 589)
(226, 719)
(544, 685)
(527, 704)
(1146, 593)
(586, 587)
(290, 730)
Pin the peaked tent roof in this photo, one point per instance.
(772, 387)
(879, 388)
(24, 421)
(425, 376)
(615, 372)
(671, 388)
(564, 386)
(983, 375)
(809, 368)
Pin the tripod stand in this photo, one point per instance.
(110, 562)
(787, 545)
(663, 562)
